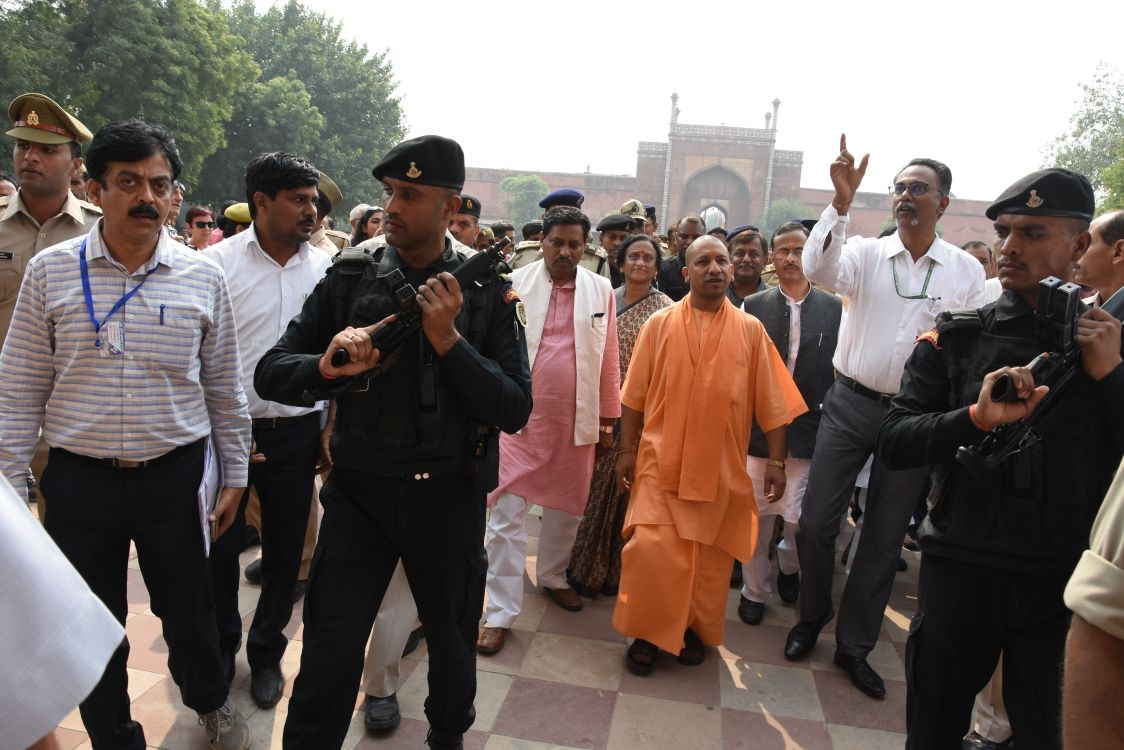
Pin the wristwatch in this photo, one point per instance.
(775, 462)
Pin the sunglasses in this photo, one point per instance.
(204, 225)
(915, 189)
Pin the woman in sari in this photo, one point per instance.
(595, 563)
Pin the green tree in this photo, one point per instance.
(274, 115)
(522, 194)
(782, 210)
(351, 88)
(173, 62)
(1094, 144)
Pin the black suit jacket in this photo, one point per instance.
(814, 374)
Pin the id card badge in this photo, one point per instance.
(113, 339)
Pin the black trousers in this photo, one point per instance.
(95, 511)
(284, 484)
(436, 528)
(967, 615)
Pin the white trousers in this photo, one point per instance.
(397, 618)
(989, 716)
(758, 574)
(506, 544)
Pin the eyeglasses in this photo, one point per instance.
(915, 189)
(204, 225)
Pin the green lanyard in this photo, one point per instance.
(924, 287)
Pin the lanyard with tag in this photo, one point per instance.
(90, 297)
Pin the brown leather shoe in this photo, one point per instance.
(567, 599)
(491, 640)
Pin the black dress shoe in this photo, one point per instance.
(862, 674)
(788, 587)
(300, 588)
(802, 639)
(265, 686)
(751, 612)
(975, 742)
(413, 641)
(443, 740)
(641, 657)
(381, 714)
(253, 572)
(736, 579)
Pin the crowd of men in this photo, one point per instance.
(712, 397)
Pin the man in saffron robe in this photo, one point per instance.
(701, 373)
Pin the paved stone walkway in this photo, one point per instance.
(560, 683)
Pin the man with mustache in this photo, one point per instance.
(571, 321)
(747, 257)
(43, 212)
(1000, 542)
(271, 269)
(701, 374)
(123, 348)
(897, 285)
(803, 323)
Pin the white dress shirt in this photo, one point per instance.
(878, 332)
(993, 290)
(266, 296)
(794, 308)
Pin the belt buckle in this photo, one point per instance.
(355, 388)
(123, 463)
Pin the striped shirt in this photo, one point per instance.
(175, 381)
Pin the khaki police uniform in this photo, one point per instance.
(39, 119)
(593, 259)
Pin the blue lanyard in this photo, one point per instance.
(90, 297)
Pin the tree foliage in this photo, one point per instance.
(228, 81)
(782, 210)
(1094, 143)
(522, 194)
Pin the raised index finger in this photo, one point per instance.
(842, 142)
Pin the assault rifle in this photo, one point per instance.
(1059, 307)
(391, 336)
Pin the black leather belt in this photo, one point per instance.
(125, 463)
(862, 390)
(272, 423)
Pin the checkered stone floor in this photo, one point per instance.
(560, 683)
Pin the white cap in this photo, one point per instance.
(358, 211)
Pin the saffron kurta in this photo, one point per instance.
(701, 381)
(541, 464)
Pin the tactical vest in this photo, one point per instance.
(403, 409)
(1006, 513)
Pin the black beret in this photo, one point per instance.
(563, 197)
(615, 223)
(1047, 192)
(740, 230)
(470, 206)
(425, 160)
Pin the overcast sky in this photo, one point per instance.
(982, 86)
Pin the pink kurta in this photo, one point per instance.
(541, 464)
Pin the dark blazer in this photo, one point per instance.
(814, 374)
